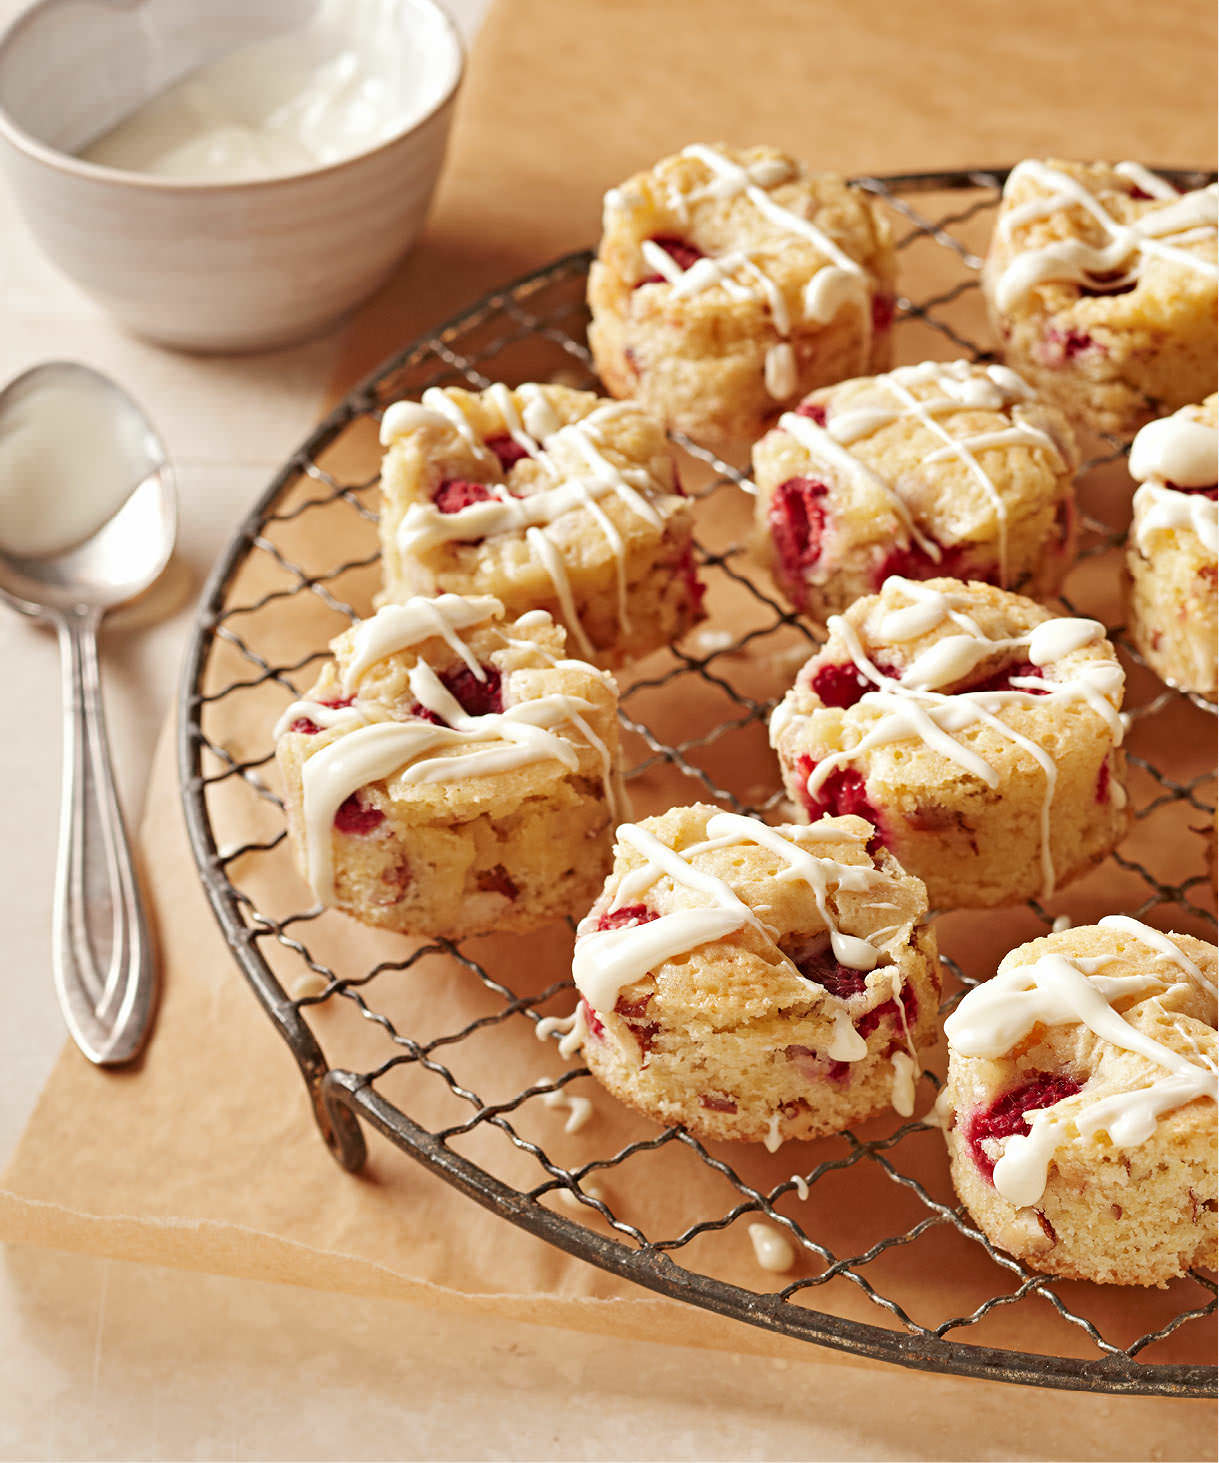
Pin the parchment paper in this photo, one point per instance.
(206, 1156)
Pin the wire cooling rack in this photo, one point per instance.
(909, 1279)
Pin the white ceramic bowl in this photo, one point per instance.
(205, 266)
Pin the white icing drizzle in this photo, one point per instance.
(960, 387)
(773, 1140)
(415, 751)
(839, 282)
(781, 376)
(801, 1186)
(1180, 451)
(309, 983)
(1162, 945)
(1057, 990)
(905, 1083)
(846, 1044)
(606, 961)
(731, 179)
(913, 708)
(551, 560)
(579, 1109)
(1144, 178)
(399, 627)
(1176, 449)
(325, 718)
(1158, 509)
(940, 1113)
(437, 400)
(537, 430)
(1160, 232)
(772, 1248)
(401, 417)
(572, 1031)
(821, 446)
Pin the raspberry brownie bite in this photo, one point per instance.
(1079, 1109)
(944, 468)
(549, 499)
(978, 733)
(452, 772)
(756, 983)
(729, 282)
(1102, 284)
(1172, 553)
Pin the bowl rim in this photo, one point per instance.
(68, 163)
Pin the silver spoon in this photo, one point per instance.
(101, 949)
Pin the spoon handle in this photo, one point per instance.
(101, 950)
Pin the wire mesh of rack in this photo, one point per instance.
(896, 1266)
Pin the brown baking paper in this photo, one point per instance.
(205, 1156)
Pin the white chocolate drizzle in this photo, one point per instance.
(607, 961)
(572, 1031)
(772, 1249)
(914, 708)
(1161, 232)
(1175, 452)
(800, 1184)
(579, 1109)
(1057, 990)
(374, 749)
(536, 429)
(905, 1083)
(570, 1200)
(1144, 179)
(773, 1140)
(401, 417)
(959, 387)
(840, 282)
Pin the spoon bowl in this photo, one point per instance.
(132, 540)
(101, 549)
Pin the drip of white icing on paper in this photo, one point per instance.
(772, 1249)
(913, 708)
(1160, 232)
(413, 751)
(571, 1201)
(579, 1109)
(572, 1031)
(1057, 990)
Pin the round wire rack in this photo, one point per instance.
(890, 1266)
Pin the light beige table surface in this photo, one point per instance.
(103, 1359)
